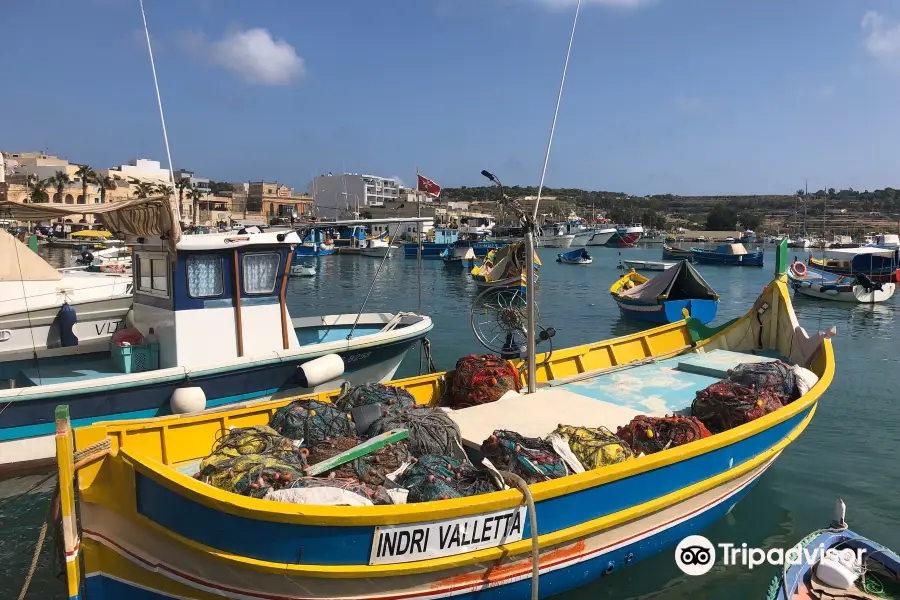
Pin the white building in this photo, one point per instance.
(337, 195)
(144, 170)
(201, 183)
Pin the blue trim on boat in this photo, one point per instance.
(576, 574)
(335, 545)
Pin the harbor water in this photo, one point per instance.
(847, 450)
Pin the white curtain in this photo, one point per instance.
(204, 275)
(260, 272)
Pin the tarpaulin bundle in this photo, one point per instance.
(371, 468)
(392, 398)
(652, 434)
(375, 493)
(481, 379)
(312, 422)
(727, 404)
(532, 459)
(595, 447)
(433, 477)
(431, 431)
(776, 376)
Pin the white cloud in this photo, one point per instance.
(252, 54)
(556, 4)
(690, 105)
(882, 39)
(398, 180)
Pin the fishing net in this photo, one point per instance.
(777, 377)
(481, 379)
(652, 434)
(727, 404)
(431, 431)
(595, 447)
(532, 459)
(372, 468)
(392, 398)
(251, 461)
(375, 493)
(312, 422)
(433, 477)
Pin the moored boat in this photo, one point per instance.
(673, 253)
(663, 298)
(503, 268)
(837, 563)
(378, 248)
(728, 254)
(814, 283)
(147, 526)
(878, 264)
(575, 257)
(646, 265)
(601, 236)
(625, 237)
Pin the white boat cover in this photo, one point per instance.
(19, 263)
(681, 282)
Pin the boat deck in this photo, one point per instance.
(82, 368)
(610, 399)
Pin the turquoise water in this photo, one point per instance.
(847, 451)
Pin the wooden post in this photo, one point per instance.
(66, 468)
(237, 305)
(283, 299)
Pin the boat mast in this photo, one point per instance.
(529, 224)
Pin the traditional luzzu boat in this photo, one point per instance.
(878, 264)
(212, 328)
(148, 529)
(734, 255)
(842, 288)
(503, 268)
(673, 253)
(663, 298)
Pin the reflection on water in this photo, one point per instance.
(848, 450)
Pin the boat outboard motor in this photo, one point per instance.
(864, 280)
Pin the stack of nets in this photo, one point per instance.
(372, 468)
(594, 447)
(431, 478)
(532, 459)
(481, 379)
(391, 398)
(431, 431)
(312, 422)
(375, 493)
(776, 376)
(251, 461)
(653, 434)
(727, 404)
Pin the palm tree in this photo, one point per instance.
(195, 195)
(87, 175)
(182, 184)
(37, 189)
(60, 180)
(163, 190)
(106, 183)
(143, 189)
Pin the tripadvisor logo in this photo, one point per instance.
(696, 555)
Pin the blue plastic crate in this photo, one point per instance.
(135, 359)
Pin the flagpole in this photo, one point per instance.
(419, 234)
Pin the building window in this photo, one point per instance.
(205, 276)
(260, 272)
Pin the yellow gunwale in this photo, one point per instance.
(499, 552)
(632, 275)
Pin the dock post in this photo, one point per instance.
(781, 260)
(65, 462)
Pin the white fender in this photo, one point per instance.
(187, 400)
(319, 370)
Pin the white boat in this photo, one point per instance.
(647, 265)
(557, 238)
(801, 243)
(814, 283)
(377, 248)
(303, 270)
(107, 260)
(582, 237)
(887, 240)
(601, 236)
(32, 294)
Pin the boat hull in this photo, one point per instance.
(669, 311)
(710, 257)
(646, 265)
(671, 253)
(624, 238)
(555, 241)
(582, 238)
(601, 237)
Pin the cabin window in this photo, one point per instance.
(205, 276)
(260, 272)
(152, 274)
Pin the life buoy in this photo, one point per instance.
(799, 269)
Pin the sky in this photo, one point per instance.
(662, 96)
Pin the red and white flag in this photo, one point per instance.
(428, 186)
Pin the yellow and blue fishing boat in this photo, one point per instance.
(503, 268)
(663, 298)
(148, 529)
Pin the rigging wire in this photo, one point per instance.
(371, 287)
